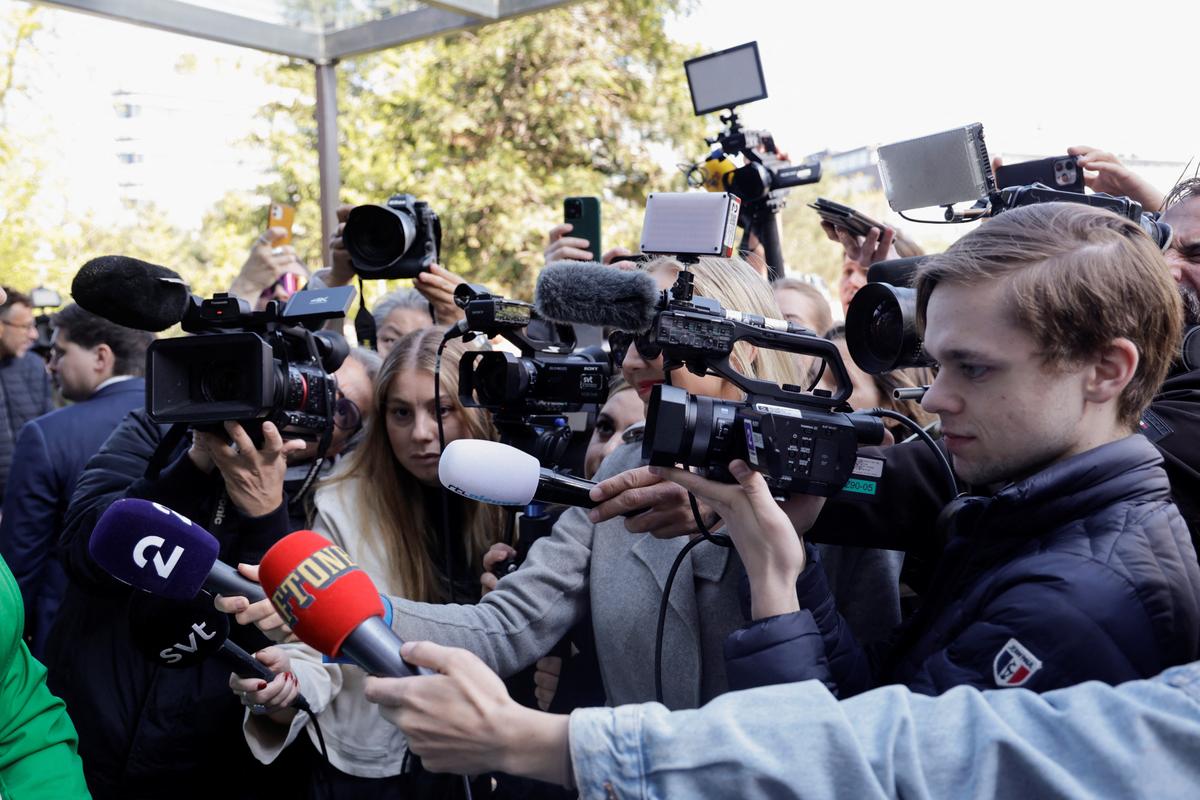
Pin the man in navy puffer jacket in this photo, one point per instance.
(1053, 326)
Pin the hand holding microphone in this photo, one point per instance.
(331, 603)
(181, 634)
(275, 695)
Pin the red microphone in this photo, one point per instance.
(330, 603)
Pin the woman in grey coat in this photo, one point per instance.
(620, 576)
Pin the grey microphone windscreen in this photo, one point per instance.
(593, 294)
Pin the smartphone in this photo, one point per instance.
(845, 217)
(280, 215)
(584, 215)
(1057, 172)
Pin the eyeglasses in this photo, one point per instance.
(29, 326)
(619, 341)
(346, 414)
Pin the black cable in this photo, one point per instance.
(926, 438)
(319, 774)
(955, 221)
(437, 410)
(817, 379)
(312, 717)
(662, 616)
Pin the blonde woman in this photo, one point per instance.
(384, 507)
(615, 567)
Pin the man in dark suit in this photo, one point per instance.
(97, 365)
(24, 384)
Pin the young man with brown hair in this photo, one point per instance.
(1053, 325)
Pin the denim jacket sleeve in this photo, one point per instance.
(797, 741)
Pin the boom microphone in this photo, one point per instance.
(160, 551)
(178, 635)
(593, 294)
(331, 604)
(130, 292)
(499, 475)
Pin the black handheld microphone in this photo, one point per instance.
(132, 293)
(180, 634)
(160, 551)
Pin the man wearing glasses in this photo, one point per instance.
(24, 382)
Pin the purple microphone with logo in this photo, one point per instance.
(160, 551)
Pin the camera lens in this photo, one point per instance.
(221, 382)
(574, 209)
(378, 236)
(881, 329)
(501, 378)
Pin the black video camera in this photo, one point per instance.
(528, 394)
(549, 377)
(398, 239)
(251, 367)
(801, 442)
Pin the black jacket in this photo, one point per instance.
(24, 394)
(146, 731)
(1084, 571)
(914, 491)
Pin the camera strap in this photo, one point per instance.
(364, 323)
(166, 447)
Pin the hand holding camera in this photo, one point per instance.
(437, 286)
(666, 510)
(762, 533)
(253, 476)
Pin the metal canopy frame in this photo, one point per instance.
(323, 49)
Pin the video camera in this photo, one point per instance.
(727, 79)
(43, 299)
(527, 394)
(398, 239)
(251, 367)
(941, 170)
(801, 442)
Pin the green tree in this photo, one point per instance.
(18, 170)
(495, 127)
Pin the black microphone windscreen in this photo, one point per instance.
(130, 292)
(176, 633)
(593, 294)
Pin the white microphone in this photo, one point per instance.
(499, 475)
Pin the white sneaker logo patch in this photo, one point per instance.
(1014, 665)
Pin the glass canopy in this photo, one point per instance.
(320, 31)
(317, 30)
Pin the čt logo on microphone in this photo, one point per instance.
(163, 568)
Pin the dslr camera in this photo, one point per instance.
(398, 239)
(801, 442)
(251, 367)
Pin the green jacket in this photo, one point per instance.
(37, 739)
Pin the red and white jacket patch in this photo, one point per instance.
(1014, 665)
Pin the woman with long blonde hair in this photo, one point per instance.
(383, 505)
